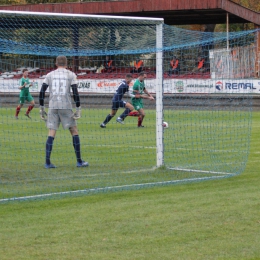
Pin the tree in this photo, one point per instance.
(251, 4)
(12, 2)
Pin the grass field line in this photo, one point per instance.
(146, 147)
(204, 149)
(79, 176)
(151, 147)
(114, 188)
(119, 146)
(154, 147)
(201, 171)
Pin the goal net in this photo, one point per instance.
(208, 108)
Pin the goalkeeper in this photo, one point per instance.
(59, 82)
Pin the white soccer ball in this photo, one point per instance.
(165, 125)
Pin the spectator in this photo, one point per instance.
(108, 65)
(175, 66)
(200, 65)
(138, 66)
(219, 65)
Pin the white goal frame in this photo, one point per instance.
(159, 65)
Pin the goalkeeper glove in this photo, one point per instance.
(77, 114)
(43, 114)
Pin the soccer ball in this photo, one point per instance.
(165, 125)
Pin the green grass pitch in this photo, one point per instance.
(118, 148)
(208, 220)
(120, 156)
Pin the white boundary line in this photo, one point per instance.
(190, 170)
(106, 189)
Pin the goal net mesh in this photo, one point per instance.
(208, 109)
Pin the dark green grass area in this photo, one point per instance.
(208, 220)
(204, 144)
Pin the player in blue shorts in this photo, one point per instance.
(118, 102)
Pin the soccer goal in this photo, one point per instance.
(208, 111)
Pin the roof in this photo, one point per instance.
(173, 12)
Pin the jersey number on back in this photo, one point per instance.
(59, 87)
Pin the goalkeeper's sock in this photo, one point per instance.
(125, 113)
(108, 118)
(49, 145)
(17, 111)
(133, 113)
(29, 109)
(76, 144)
(140, 120)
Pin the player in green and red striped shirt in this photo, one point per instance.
(25, 94)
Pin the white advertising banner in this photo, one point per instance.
(212, 86)
(171, 86)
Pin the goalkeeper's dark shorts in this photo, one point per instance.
(117, 104)
(63, 116)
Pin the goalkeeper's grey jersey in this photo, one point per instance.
(59, 82)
